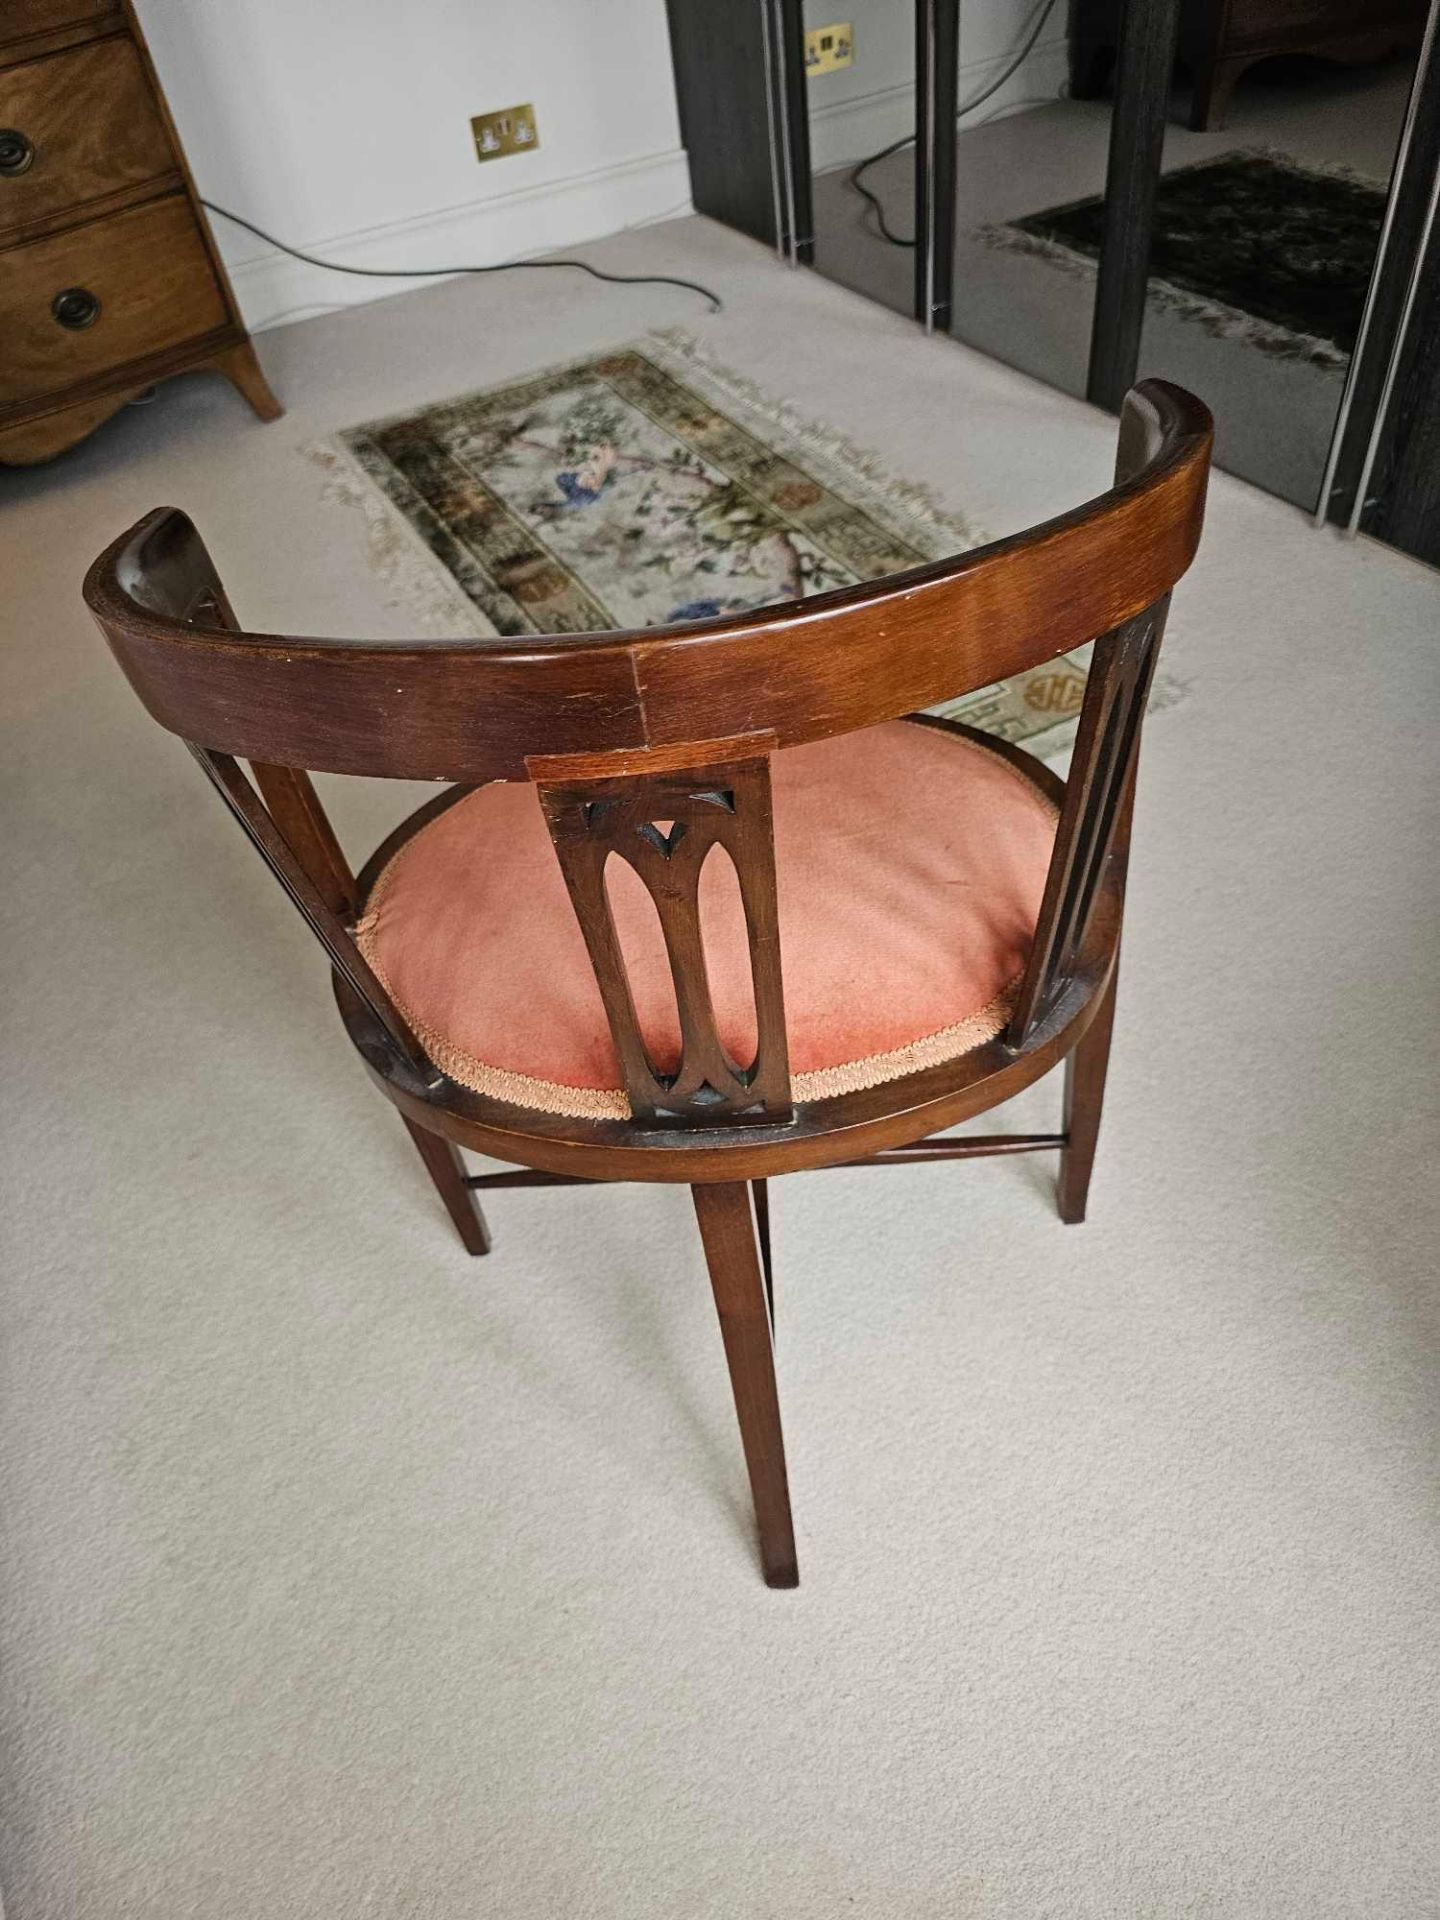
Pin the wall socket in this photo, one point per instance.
(511, 130)
(829, 48)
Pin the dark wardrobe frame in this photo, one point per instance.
(740, 73)
(744, 119)
(1383, 475)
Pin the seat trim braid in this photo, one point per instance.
(568, 1101)
(611, 1103)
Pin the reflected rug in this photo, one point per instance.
(645, 486)
(1251, 244)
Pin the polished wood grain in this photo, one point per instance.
(39, 437)
(90, 118)
(21, 18)
(176, 301)
(1085, 1069)
(109, 277)
(304, 833)
(264, 833)
(294, 806)
(1102, 767)
(445, 1167)
(238, 365)
(482, 710)
(967, 1146)
(732, 1255)
(666, 828)
(685, 756)
(655, 748)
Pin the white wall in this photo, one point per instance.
(864, 107)
(343, 126)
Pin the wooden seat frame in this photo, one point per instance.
(654, 746)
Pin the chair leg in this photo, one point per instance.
(728, 1229)
(1084, 1100)
(447, 1170)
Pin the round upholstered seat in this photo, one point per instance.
(910, 865)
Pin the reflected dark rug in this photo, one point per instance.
(1251, 243)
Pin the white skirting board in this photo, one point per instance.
(273, 288)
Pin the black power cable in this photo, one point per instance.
(501, 266)
(862, 167)
(987, 92)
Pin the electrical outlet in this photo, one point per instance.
(827, 49)
(511, 130)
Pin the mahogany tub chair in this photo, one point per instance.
(714, 902)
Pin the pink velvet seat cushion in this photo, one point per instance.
(910, 864)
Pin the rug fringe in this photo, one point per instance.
(413, 579)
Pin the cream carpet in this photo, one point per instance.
(347, 1576)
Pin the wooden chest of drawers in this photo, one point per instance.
(1219, 39)
(109, 278)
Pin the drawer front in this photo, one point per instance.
(136, 283)
(76, 125)
(19, 17)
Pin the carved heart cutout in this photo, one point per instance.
(654, 833)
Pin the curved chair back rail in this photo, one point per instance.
(661, 699)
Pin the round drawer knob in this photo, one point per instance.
(76, 308)
(17, 153)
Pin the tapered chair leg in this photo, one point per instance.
(728, 1229)
(1084, 1100)
(447, 1170)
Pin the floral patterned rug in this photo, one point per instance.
(645, 486)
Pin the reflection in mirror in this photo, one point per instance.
(1268, 218)
(1281, 139)
(862, 149)
(1012, 63)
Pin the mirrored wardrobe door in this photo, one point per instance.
(1278, 156)
(947, 122)
(1097, 190)
(861, 99)
(1025, 144)
(1383, 473)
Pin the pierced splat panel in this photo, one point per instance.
(664, 826)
